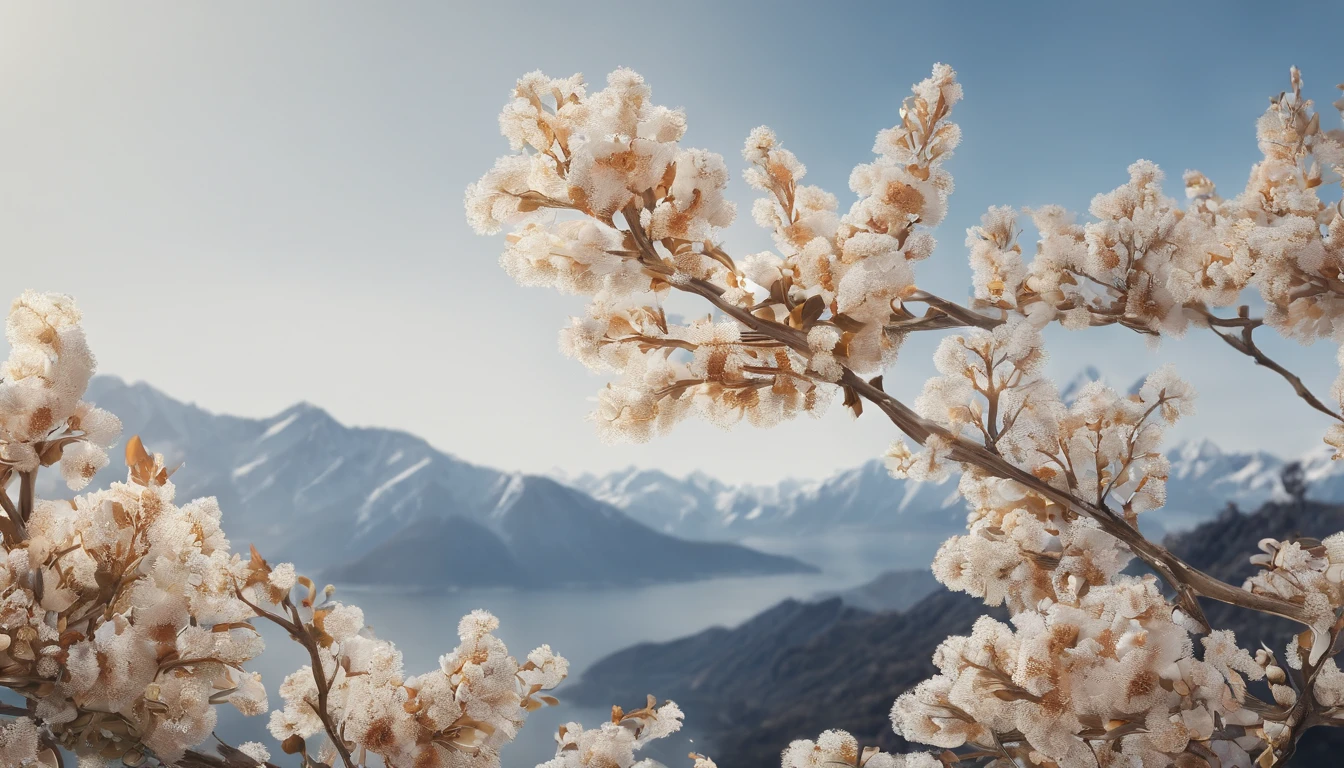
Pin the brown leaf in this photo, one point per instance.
(812, 309)
(853, 401)
(138, 460)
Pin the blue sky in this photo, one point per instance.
(259, 203)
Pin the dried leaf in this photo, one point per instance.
(294, 745)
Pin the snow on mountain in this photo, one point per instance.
(1203, 479)
(538, 532)
(865, 497)
(358, 502)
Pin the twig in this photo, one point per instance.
(299, 632)
(1246, 345)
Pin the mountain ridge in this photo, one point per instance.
(1202, 478)
(799, 668)
(361, 503)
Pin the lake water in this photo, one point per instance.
(584, 625)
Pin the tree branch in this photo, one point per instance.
(1189, 582)
(1246, 345)
(300, 634)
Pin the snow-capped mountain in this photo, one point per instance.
(365, 504)
(1203, 480)
(865, 497)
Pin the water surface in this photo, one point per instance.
(583, 624)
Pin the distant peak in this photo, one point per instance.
(1190, 450)
(302, 412)
(301, 407)
(704, 481)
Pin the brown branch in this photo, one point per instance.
(1188, 582)
(956, 311)
(941, 315)
(300, 634)
(12, 526)
(944, 314)
(1245, 344)
(27, 495)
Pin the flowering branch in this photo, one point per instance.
(127, 620)
(300, 633)
(1245, 344)
(1038, 474)
(1189, 582)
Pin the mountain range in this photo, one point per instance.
(888, 591)
(380, 506)
(1203, 479)
(800, 668)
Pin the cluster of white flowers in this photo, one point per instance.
(42, 417)
(839, 748)
(1089, 647)
(1107, 679)
(604, 202)
(125, 619)
(454, 717)
(118, 618)
(1146, 264)
(859, 265)
(1097, 667)
(615, 742)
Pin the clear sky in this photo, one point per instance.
(258, 203)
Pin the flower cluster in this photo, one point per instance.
(456, 716)
(604, 202)
(42, 417)
(1307, 572)
(615, 742)
(839, 748)
(1146, 264)
(118, 619)
(858, 265)
(125, 619)
(1149, 265)
(1107, 679)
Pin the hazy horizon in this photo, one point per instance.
(259, 204)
